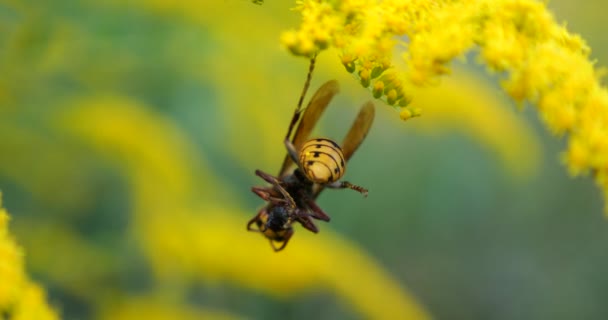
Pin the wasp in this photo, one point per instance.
(320, 163)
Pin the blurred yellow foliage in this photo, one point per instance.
(203, 240)
(160, 309)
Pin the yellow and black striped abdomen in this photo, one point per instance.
(322, 161)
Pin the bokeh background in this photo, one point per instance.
(130, 131)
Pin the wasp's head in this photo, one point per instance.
(278, 218)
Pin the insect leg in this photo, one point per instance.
(267, 177)
(265, 194)
(291, 150)
(298, 112)
(317, 212)
(347, 185)
(254, 220)
(307, 223)
(287, 237)
(272, 180)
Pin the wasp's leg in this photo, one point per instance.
(285, 240)
(298, 112)
(317, 212)
(254, 220)
(266, 176)
(347, 185)
(270, 179)
(265, 194)
(275, 182)
(291, 150)
(261, 226)
(304, 219)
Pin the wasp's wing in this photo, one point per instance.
(313, 112)
(357, 133)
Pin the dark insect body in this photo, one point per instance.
(320, 163)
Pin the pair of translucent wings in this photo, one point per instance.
(319, 102)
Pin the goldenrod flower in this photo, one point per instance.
(19, 297)
(11, 265)
(537, 58)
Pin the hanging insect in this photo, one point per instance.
(320, 163)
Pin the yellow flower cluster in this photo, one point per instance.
(549, 67)
(541, 62)
(19, 297)
(365, 37)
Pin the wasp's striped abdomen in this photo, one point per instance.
(322, 161)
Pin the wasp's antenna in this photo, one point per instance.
(296, 115)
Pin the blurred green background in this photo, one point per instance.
(476, 222)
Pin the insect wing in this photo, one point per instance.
(358, 131)
(355, 136)
(313, 112)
